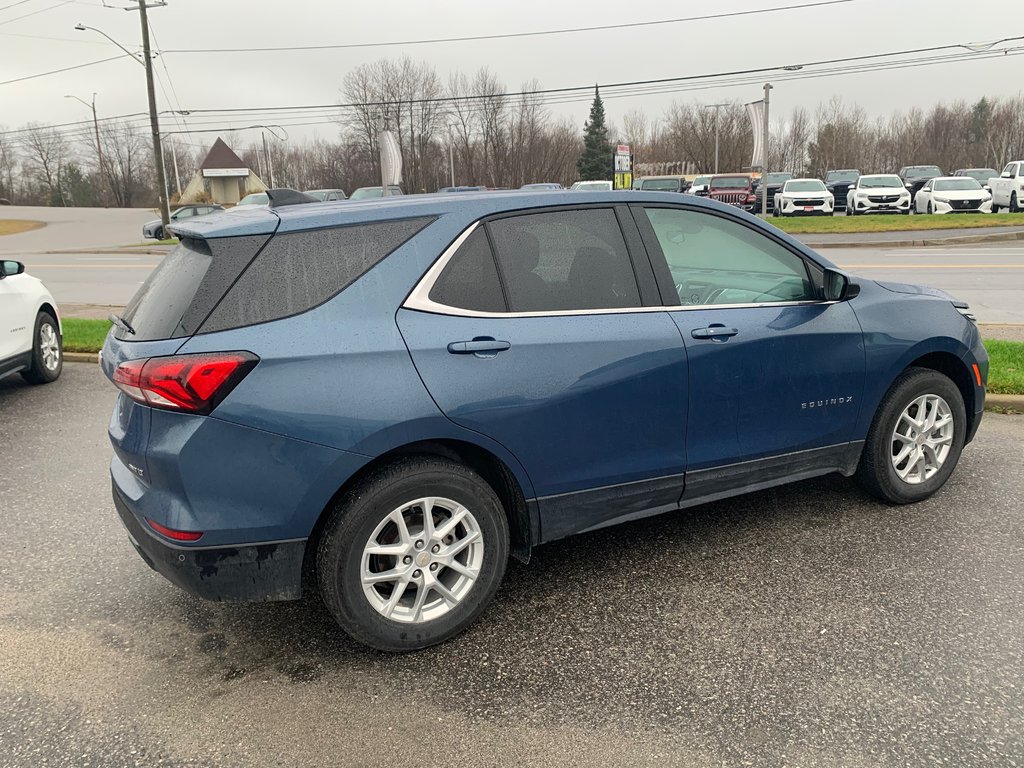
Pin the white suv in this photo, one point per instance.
(30, 331)
(878, 193)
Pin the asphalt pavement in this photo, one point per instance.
(804, 626)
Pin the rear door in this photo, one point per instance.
(540, 331)
(775, 373)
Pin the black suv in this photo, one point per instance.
(839, 183)
(775, 182)
(916, 176)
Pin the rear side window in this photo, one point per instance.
(301, 270)
(470, 280)
(181, 291)
(564, 260)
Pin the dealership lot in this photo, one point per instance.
(802, 626)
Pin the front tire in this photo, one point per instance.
(413, 555)
(47, 351)
(1014, 206)
(915, 439)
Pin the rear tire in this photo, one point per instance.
(47, 351)
(895, 465)
(1014, 207)
(366, 518)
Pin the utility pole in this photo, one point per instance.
(266, 154)
(716, 107)
(154, 121)
(764, 159)
(99, 146)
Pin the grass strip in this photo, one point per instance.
(830, 225)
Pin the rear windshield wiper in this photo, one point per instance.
(121, 323)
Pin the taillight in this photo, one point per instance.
(190, 383)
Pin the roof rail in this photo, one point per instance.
(285, 196)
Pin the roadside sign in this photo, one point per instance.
(622, 167)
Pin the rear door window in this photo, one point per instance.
(564, 261)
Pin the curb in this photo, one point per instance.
(996, 237)
(82, 357)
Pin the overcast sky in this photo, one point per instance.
(267, 79)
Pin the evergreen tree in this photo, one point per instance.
(595, 164)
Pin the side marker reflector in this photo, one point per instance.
(170, 533)
(977, 373)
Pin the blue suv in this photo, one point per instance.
(384, 400)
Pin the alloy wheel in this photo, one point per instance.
(422, 560)
(49, 347)
(921, 439)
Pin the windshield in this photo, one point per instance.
(595, 185)
(702, 181)
(257, 198)
(730, 182)
(921, 172)
(981, 174)
(778, 178)
(804, 185)
(956, 185)
(319, 194)
(366, 193)
(841, 176)
(666, 185)
(879, 182)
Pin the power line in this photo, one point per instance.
(20, 2)
(41, 10)
(63, 69)
(510, 35)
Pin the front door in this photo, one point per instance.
(17, 320)
(545, 345)
(775, 373)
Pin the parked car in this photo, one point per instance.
(256, 198)
(326, 195)
(878, 193)
(839, 183)
(592, 186)
(663, 184)
(369, 193)
(803, 197)
(699, 186)
(542, 186)
(501, 371)
(915, 176)
(952, 194)
(980, 175)
(775, 182)
(464, 188)
(154, 230)
(1008, 188)
(30, 328)
(733, 189)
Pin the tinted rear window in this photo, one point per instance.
(470, 280)
(181, 291)
(301, 270)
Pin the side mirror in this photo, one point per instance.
(1006, 175)
(8, 268)
(839, 287)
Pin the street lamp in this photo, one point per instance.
(154, 121)
(716, 107)
(96, 127)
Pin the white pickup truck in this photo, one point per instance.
(1008, 188)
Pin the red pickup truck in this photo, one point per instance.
(734, 189)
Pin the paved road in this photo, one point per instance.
(989, 277)
(805, 626)
(74, 228)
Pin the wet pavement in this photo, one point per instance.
(805, 626)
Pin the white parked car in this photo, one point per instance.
(806, 197)
(30, 330)
(878, 193)
(1008, 188)
(952, 194)
(699, 186)
(592, 186)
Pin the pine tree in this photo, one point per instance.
(595, 164)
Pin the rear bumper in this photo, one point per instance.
(253, 572)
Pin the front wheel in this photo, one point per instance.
(413, 555)
(915, 439)
(1014, 206)
(47, 351)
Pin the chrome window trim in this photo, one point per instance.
(419, 298)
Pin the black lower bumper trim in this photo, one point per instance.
(248, 572)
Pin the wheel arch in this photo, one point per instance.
(954, 368)
(523, 522)
(51, 310)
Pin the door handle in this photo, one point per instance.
(714, 332)
(476, 346)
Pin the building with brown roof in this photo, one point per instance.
(222, 178)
